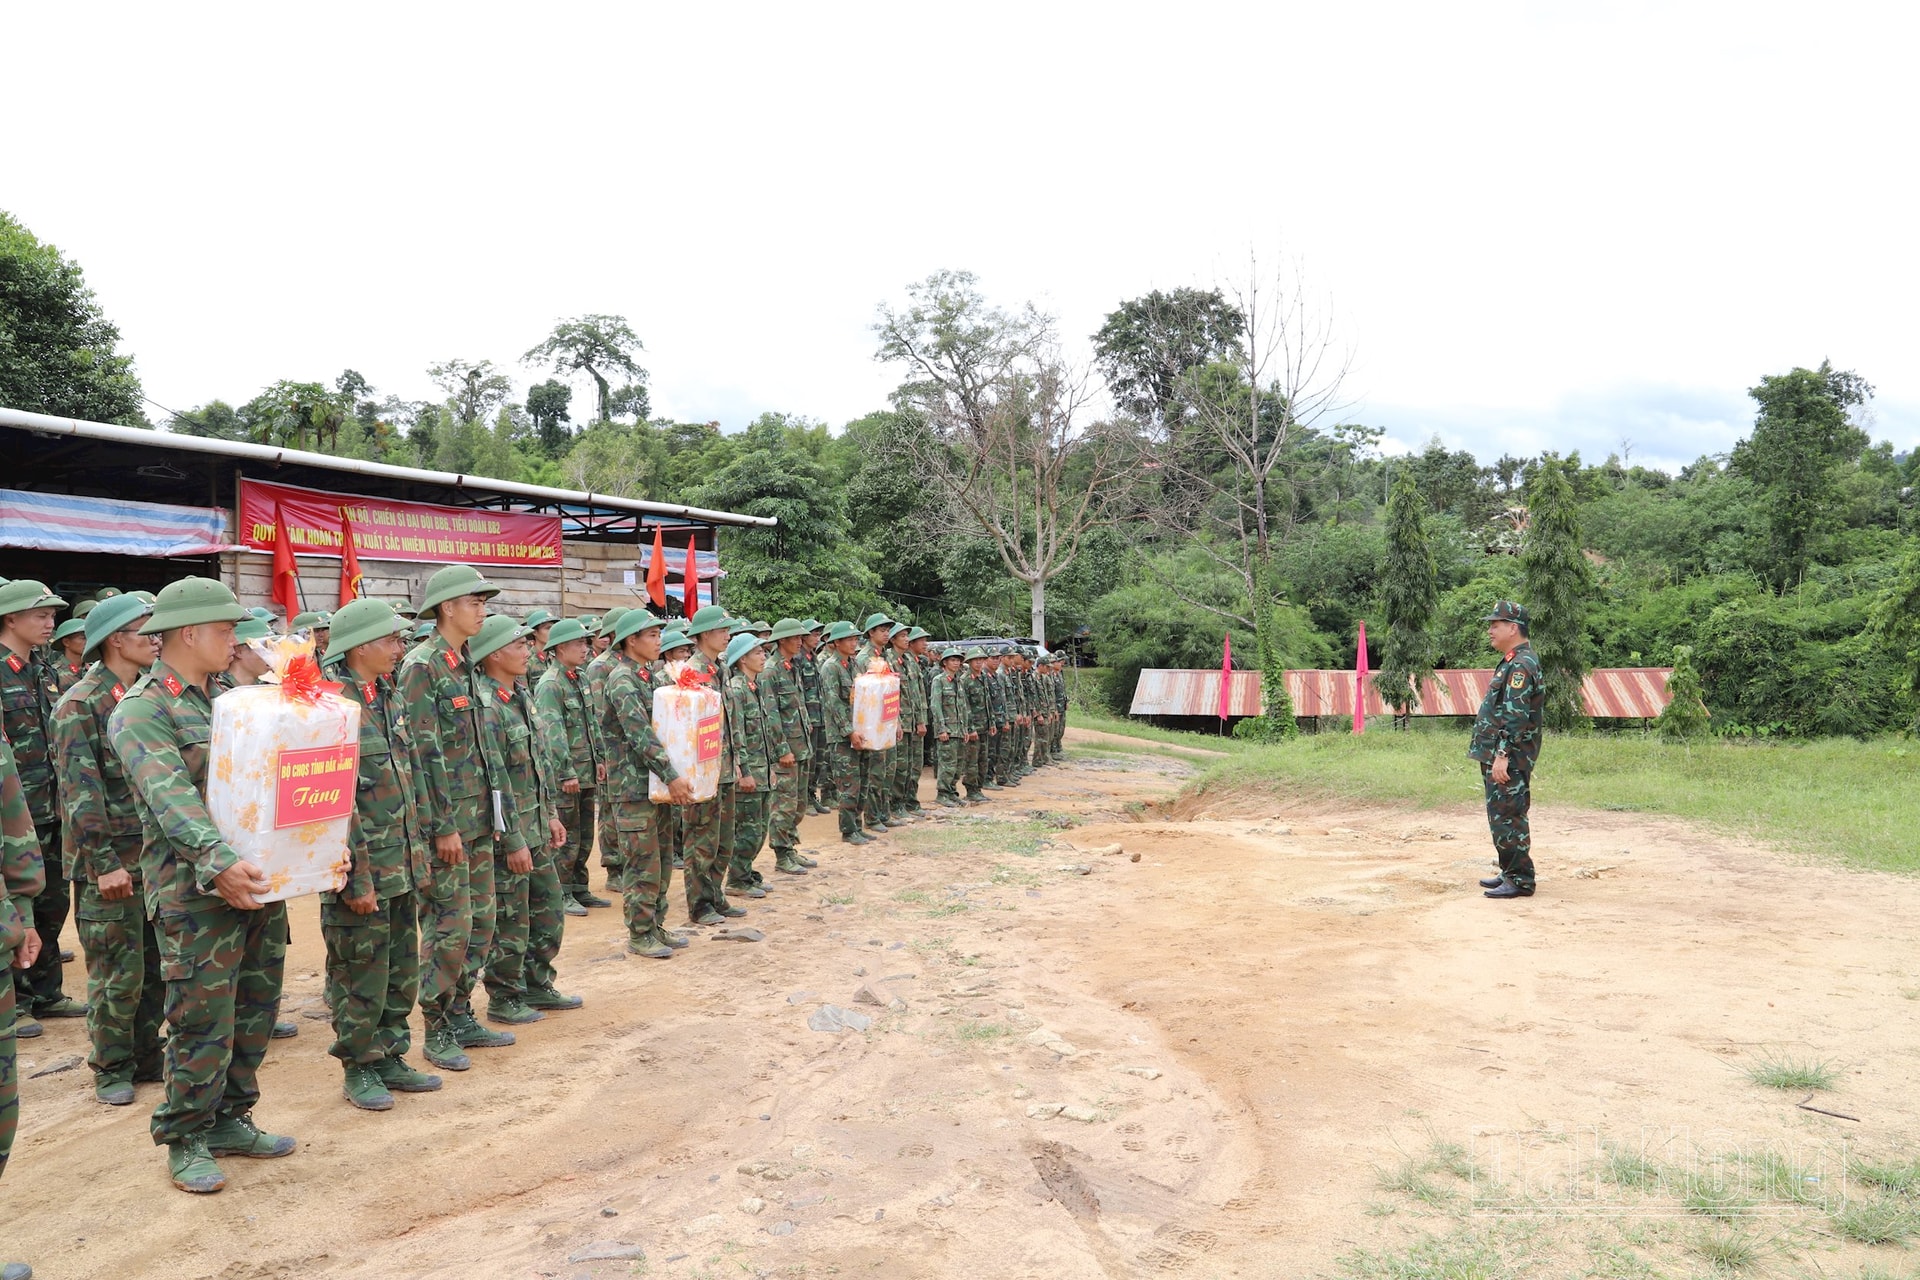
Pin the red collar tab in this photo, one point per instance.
(1511, 652)
(119, 692)
(506, 694)
(74, 667)
(370, 691)
(172, 686)
(453, 660)
(460, 702)
(13, 660)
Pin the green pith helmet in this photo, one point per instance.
(952, 651)
(674, 638)
(787, 628)
(22, 594)
(633, 623)
(976, 652)
(148, 596)
(707, 618)
(250, 629)
(740, 646)
(106, 593)
(362, 622)
(312, 620)
(591, 623)
(899, 629)
(564, 630)
(404, 609)
(739, 626)
(105, 618)
(422, 629)
(538, 618)
(919, 633)
(71, 627)
(85, 607)
(496, 633)
(840, 631)
(192, 602)
(451, 583)
(876, 620)
(812, 625)
(264, 615)
(610, 620)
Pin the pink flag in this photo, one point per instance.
(1360, 682)
(1226, 672)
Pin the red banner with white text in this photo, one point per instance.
(387, 530)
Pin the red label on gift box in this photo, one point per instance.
(890, 707)
(706, 738)
(315, 785)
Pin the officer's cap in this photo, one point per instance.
(1508, 611)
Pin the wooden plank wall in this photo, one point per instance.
(594, 580)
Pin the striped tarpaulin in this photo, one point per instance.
(61, 522)
(1626, 693)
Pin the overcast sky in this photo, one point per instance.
(1536, 227)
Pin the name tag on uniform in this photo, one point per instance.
(460, 702)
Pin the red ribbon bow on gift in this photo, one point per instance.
(692, 678)
(302, 681)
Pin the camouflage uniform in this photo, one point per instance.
(836, 723)
(26, 709)
(593, 682)
(1060, 714)
(571, 734)
(949, 718)
(973, 756)
(634, 751)
(756, 743)
(24, 876)
(519, 897)
(999, 736)
(874, 763)
(818, 781)
(65, 675)
(437, 690)
(790, 781)
(1509, 721)
(707, 828)
(373, 960)
(223, 967)
(668, 825)
(913, 718)
(102, 823)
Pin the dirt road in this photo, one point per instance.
(1285, 1036)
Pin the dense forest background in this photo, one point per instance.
(1177, 487)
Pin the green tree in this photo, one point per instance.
(1801, 433)
(297, 415)
(547, 405)
(1895, 620)
(473, 390)
(806, 564)
(1410, 594)
(1148, 344)
(1557, 583)
(1686, 715)
(610, 458)
(214, 420)
(598, 346)
(58, 351)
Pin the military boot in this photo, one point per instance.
(709, 917)
(730, 911)
(24, 1027)
(192, 1166)
(471, 1035)
(364, 1088)
(443, 1048)
(284, 1030)
(858, 837)
(747, 890)
(785, 860)
(587, 898)
(115, 1093)
(573, 907)
(674, 940)
(64, 1007)
(800, 857)
(548, 998)
(508, 1008)
(648, 946)
(240, 1136)
(401, 1078)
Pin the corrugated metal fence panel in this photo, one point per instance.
(1629, 693)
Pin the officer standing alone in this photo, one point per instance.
(1506, 742)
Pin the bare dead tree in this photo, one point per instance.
(1014, 449)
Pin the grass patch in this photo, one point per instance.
(976, 834)
(1412, 1178)
(1712, 1195)
(1878, 1221)
(1630, 1169)
(1726, 1251)
(1777, 1071)
(1902, 1178)
(1141, 731)
(1840, 798)
(1774, 1178)
(981, 1032)
(836, 899)
(1461, 1256)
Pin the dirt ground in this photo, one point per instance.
(1288, 1041)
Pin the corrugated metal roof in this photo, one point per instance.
(1629, 693)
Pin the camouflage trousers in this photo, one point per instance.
(972, 763)
(1507, 808)
(706, 835)
(9, 1072)
(844, 767)
(906, 774)
(1022, 747)
(506, 967)
(456, 928)
(644, 866)
(373, 977)
(789, 804)
(948, 771)
(223, 970)
(820, 779)
(1042, 743)
(993, 758)
(576, 814)
(750, 810)
(1059, 727)
(39, 985)
(874, 802)
(669, 829)
(125, 993)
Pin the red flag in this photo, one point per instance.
(1360, 683)
(349, 562)
(690, 583)
(1226, 671)
(286, 578)
(657, 573)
